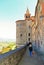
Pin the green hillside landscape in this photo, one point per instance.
(7, 46)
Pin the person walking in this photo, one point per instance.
(30, 48)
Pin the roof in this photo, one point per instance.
(20, 20)
(27, 11)
(31, 18)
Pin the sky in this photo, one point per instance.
(10, 12)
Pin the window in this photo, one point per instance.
(27, 16)
(29, 39)
(20, 35)
(29, 34)
(41, 18)
(39, 8)
(29, 26)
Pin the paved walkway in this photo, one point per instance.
(27, 60)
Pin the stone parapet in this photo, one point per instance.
(12, 57)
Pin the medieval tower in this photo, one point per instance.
(24, 29)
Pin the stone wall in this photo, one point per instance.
(12, 57)
(20, 32)
(39, 35)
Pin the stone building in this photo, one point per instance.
(39, 30)
(24, 29)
